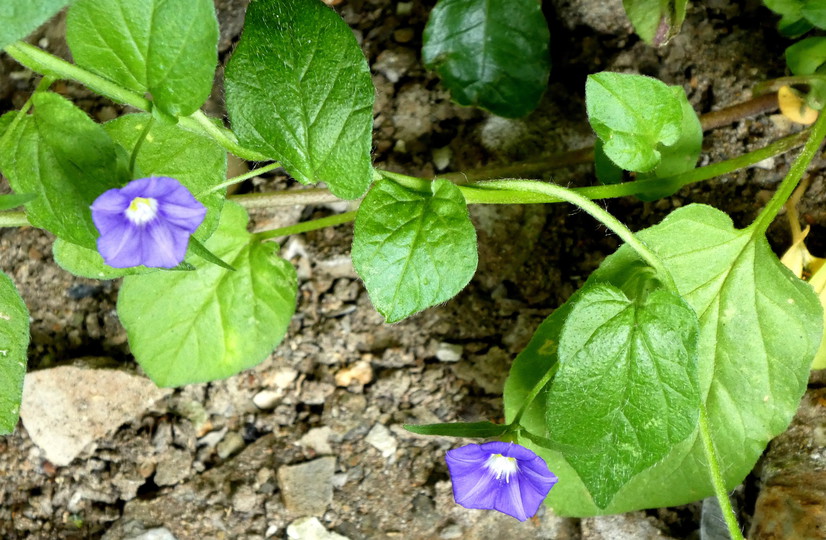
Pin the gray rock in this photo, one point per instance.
(381, 438)
(65, 409)
(307, 488)
(158, 533)
(230, 444)
(318, 440)
(174, 466)
(247, 500)
(310, 528)
(631, 526)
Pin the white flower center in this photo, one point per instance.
(500, 465)
(141, 210)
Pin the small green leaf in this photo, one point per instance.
(656, 21)
(814, 11)
(627, 381)
(807, 56)
(492, 55)
(12, 200)
(792, 22)
(413, 250)
(298, 89)
(633, 115)
(480, 430)
(88, 263)
(188, 327)
(606, 170)
(20, 18)
(682, 155)
(14, 340)
(195, 161)
(168, 48)
(197, 248)
(67, 160)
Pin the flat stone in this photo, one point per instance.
(158, 533)
(384, 441)
(174, 466)
(307, 488)
(65, 409)
(310, 528)
(318, 440)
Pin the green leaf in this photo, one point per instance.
(188, 327)
(460, 429)
(20, 18)
(627, 381)
(298, 89)
(656, 21)
(168, 48)
(681, 156)
(413, 250)
(197, 162)
(492, 55)
(14, 340)
(12, 200)
(759, 329)
(806, 56)
(606, 170)
(814, 11)
(67, 160)
(197, 248)
(633, 115)
(792, 23)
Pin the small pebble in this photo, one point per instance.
(441, 157)
(403, 35)
(381, 438)
(360, 372)
(449, 352)
(266, 399)
(310, 528)
(230, 444)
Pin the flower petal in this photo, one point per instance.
(164, 245)
(117, 246)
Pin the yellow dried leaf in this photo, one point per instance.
(794, 107)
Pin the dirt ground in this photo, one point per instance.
(224, 459)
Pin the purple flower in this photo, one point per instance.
(148, 221)
(499, 476)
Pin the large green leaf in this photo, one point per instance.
(807, 56)
(22, 17)
(86, 262)
(187, 327)
(492, 55)
(633, 115)
(67, 160)
(168, 48)
(14, 340)
(413, 250)
(759, 329)
(656, 21)
(627, 381)
(298, 89)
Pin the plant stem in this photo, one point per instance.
(241, 178)
(13, 219)
(717, 478)
(307, 226)
(287, 197)
(796, 171)
(596, 211)
(535, 392)
(38, 60)
(137, 147)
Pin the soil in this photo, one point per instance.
(207, 462)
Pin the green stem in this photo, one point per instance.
(137, 147)
(796, 171)
(240, 178)
(307, 226)
(13, 219)
(535, 392)
(289, 197)
(717, 478)
(559, 192)
(38, 60)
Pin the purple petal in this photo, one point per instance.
(518, 494)
(159, 242)
(117, 246)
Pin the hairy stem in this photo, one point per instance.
(596, 211)
(240, 178)
(717, 478)
(538, 387)
(13, 219)
(796, 172)
(307, 226)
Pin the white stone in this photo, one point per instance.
(318, 439)
(266, 399)
(158, 533)
(449, 352)
(384, 441)
(65, 409)
(441, 157)
(310, 528)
